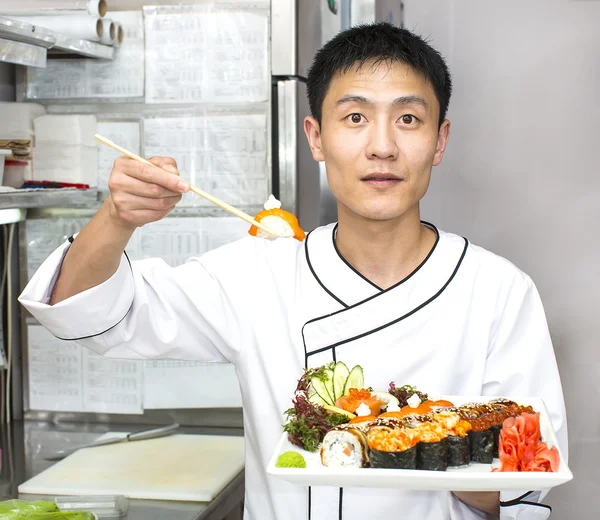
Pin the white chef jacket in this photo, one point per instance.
(464, 322)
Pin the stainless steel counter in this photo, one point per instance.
(24, 445)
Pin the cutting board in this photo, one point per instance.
(178, 467)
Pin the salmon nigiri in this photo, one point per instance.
(282, 222)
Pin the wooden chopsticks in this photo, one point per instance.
(197, 191)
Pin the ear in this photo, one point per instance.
(442, 141)
(312, 129)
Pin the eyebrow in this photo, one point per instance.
(401, 101)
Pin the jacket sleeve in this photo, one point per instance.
(146, 310)
(521, 363)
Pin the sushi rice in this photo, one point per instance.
(345, 447)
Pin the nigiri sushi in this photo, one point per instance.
(283, 223)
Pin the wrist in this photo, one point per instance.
(114, 220)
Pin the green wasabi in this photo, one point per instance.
(291, 459)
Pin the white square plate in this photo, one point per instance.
(475, 477)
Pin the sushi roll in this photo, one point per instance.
(482, 446)
(502, 409)
(459, 450)
(432, 455)
(392, 446)
(496, 429)
(457, 429)
(432, 449)
(345, 447)
(281, 222)
(481, 437)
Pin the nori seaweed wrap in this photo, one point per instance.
(432, 450)
(392, 445)
(459, 450)
(433, 456)
(498, 410)
(406, 459)
(496, 433)
(456, 430)
(481, 437)
(482, 446)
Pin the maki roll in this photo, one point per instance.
(432, 450)
(496, 429)
(433, 455)
(500, 410)
(482, 445)
(459, 450)
(481, 437)
(345, 447)
(457, 429)
(392, 445)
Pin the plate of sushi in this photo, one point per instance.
(341, 434)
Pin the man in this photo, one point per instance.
(380, 288)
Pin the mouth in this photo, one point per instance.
(381, 179)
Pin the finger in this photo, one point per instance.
(166, 163)
(128, 202)
(133, 186)
(155, 175)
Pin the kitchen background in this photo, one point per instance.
(519, 178)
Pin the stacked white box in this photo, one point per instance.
(65, 150)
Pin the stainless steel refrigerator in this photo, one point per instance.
(298, 29)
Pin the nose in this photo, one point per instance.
(382, 142)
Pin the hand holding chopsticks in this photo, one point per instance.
(198, 191)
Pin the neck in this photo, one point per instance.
(385, 252)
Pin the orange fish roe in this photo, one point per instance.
(452, 423)
(356, 397)
(430, 432)
(390, 440)
(462, 428)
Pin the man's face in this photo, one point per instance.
(379, 139)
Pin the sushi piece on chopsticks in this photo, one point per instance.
(345, 446)
(282, 222)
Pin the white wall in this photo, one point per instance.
(521, 177)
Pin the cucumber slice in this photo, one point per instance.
(315, 398)
(321, 390)
(340, 375)
(329, 384)
(355, 380)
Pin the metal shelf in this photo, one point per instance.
(26, 44)
(47, 198)
(25, 33)
(21, 53)
(66, 46)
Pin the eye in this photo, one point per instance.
(355, 118)
(408, 119)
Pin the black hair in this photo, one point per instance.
(378, 42)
